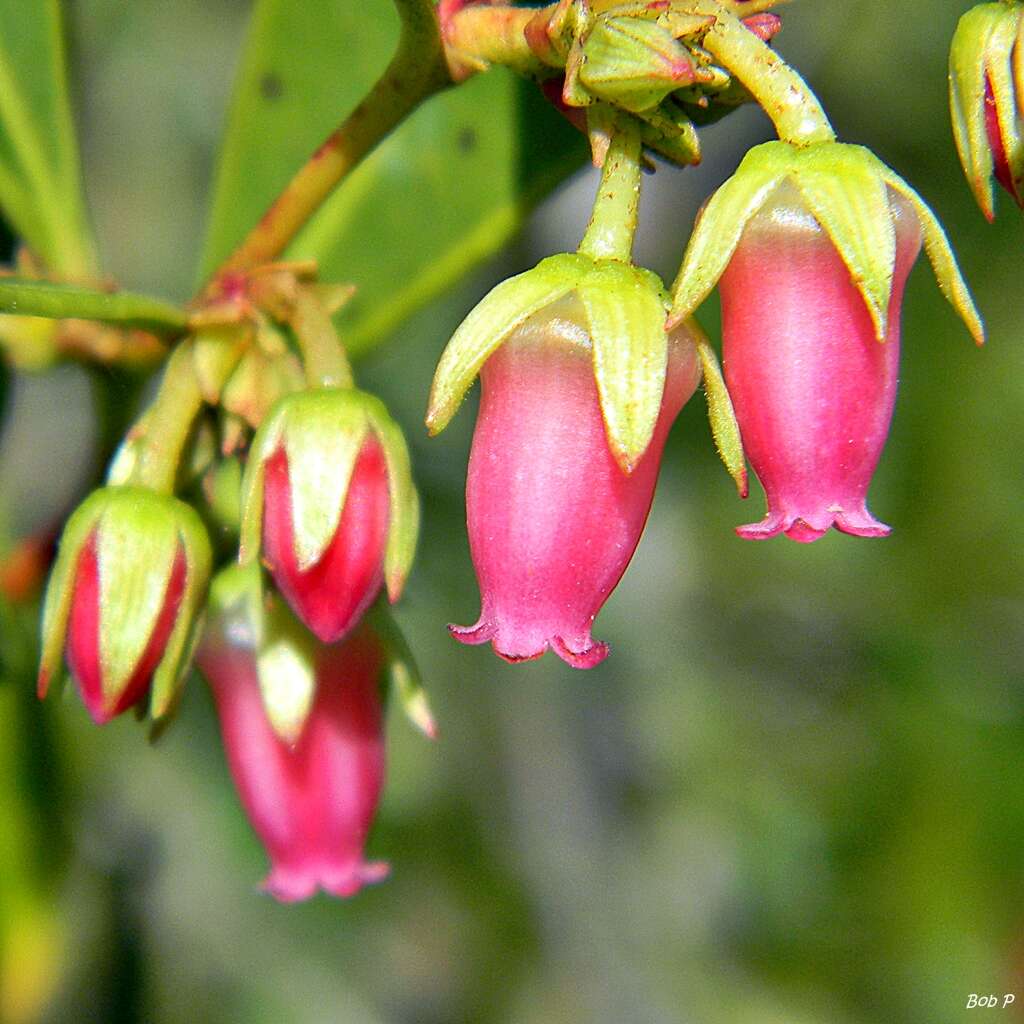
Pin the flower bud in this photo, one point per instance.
(986, 65)
(123, 599)
(633, 63)
(309, 782)
(328, 501)
(812, 388)
(553, 519)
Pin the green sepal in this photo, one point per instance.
(720, 226)
(404, 501)
(286, 665)
(284, 652)
(683, 25)
(675, 138)
(506, 307)
(322, 433)
(261, 378)
(625, 312)
(216, 351)
(724, 428)
(842, 187)
(401, 672)
(633, 63)
(60, 587)
(942, 258)
(983, 50)
(169, 678)
(136, 547)
(574, 93)
(235, 603)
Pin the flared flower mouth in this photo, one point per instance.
(582, 653)
(288, 885)
(810, 526)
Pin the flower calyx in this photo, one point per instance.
(846, 188)
(624, 310)
(986, 98)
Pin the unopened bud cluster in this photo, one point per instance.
(289, 639)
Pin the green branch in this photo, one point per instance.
(417, 71)
(21, 297)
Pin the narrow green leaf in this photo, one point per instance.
(40, 177)
(943, 260)
(626, 315)
(442, 193)
(724, 428)
(720, 226)
(843, 188)
(25, 297)
(498, 314)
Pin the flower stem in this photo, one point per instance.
(613, 222)
(323, 356)
(151, 453)
(417, 70)
(786, 98)
(475, 37)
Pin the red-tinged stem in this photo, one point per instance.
(417, 71)
(478, 36)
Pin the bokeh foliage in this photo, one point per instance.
(793, 793)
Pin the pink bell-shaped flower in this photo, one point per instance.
(332, 594)
(553, 518)
(812, 386)
(311, 801)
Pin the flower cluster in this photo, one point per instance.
(294, 655)
(261, 462)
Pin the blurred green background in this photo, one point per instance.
(793, 795)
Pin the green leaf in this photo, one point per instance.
(446, 190)
(24, 297)
(40, 177)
